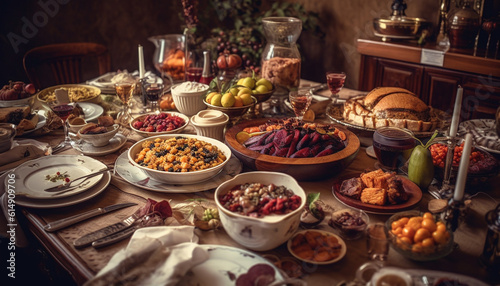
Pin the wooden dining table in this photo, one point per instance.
(83, 264)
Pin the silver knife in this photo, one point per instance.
(62, 223)
(115, 237)
(87, 239)
(68, 185)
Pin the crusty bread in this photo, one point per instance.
(374, 96)
(401, 106)
(390, 106)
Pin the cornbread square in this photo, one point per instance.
(368, 179)
(374, 196)
(382, 181)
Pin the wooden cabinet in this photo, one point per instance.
(389, 64)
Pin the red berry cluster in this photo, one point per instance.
(438, 152)
(159, 123)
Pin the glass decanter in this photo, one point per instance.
(281, 59)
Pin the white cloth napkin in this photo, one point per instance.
(22, 151)
(159, 255)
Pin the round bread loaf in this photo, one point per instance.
(401, 106)
(374, 96)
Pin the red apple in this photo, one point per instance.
(30, 89)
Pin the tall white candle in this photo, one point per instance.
(463, 168)
(141, 62)
(456, 112)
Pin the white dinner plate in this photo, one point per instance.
(88, 149)
(224, 265)
(483, 132)
(66, 201)
(139, 178)
(91, 110)
(434, 275)
(33, 177)
(41, 122)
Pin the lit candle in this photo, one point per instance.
(456, 112)
(141, 62)
(463, 168)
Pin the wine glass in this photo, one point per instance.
(62, 110)
(153, 91)
(335, 81)
(300, 101)
(125, 91)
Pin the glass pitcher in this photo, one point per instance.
(169, 56)
(281, 59)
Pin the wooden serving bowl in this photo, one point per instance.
(302, 169)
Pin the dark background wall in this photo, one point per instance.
(122, 25)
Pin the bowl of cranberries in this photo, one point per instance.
(482, 165)
(159, 123)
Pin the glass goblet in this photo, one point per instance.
(335, 81)
(125, 91)
(300, 101)
(62, 110)
(154, 92)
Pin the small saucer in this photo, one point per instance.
(114, 144)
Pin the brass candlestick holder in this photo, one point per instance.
(442, 37)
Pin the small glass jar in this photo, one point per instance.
(281, 59)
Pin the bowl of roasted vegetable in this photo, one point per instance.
(306, 151)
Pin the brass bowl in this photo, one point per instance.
(399, 27)
(92, 93)
(261, 97)
(232, 112)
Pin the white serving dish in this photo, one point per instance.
(265, 233)
(180, 178)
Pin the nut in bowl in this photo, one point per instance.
(317, 246)
(159, 123)
(180, 166)
(259, 226)
(97, 135)
(419, 236)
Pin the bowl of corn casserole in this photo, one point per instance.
(179, 158)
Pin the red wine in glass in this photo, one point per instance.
(153, 93)
(335, 81)
(194, 74)
(392, 146)
(62, 110)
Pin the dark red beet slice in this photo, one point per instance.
(302, 153)
(293, 145)
(304, 141)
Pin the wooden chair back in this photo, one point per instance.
(66, 63)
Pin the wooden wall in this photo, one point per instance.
(122, 25)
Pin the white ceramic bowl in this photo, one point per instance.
(18, 102)
(180, 178)
(148, 134)
(101, 139)
(7, 134)
(189, 103)
(265, 233)
(76, 127)
(210, 123)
